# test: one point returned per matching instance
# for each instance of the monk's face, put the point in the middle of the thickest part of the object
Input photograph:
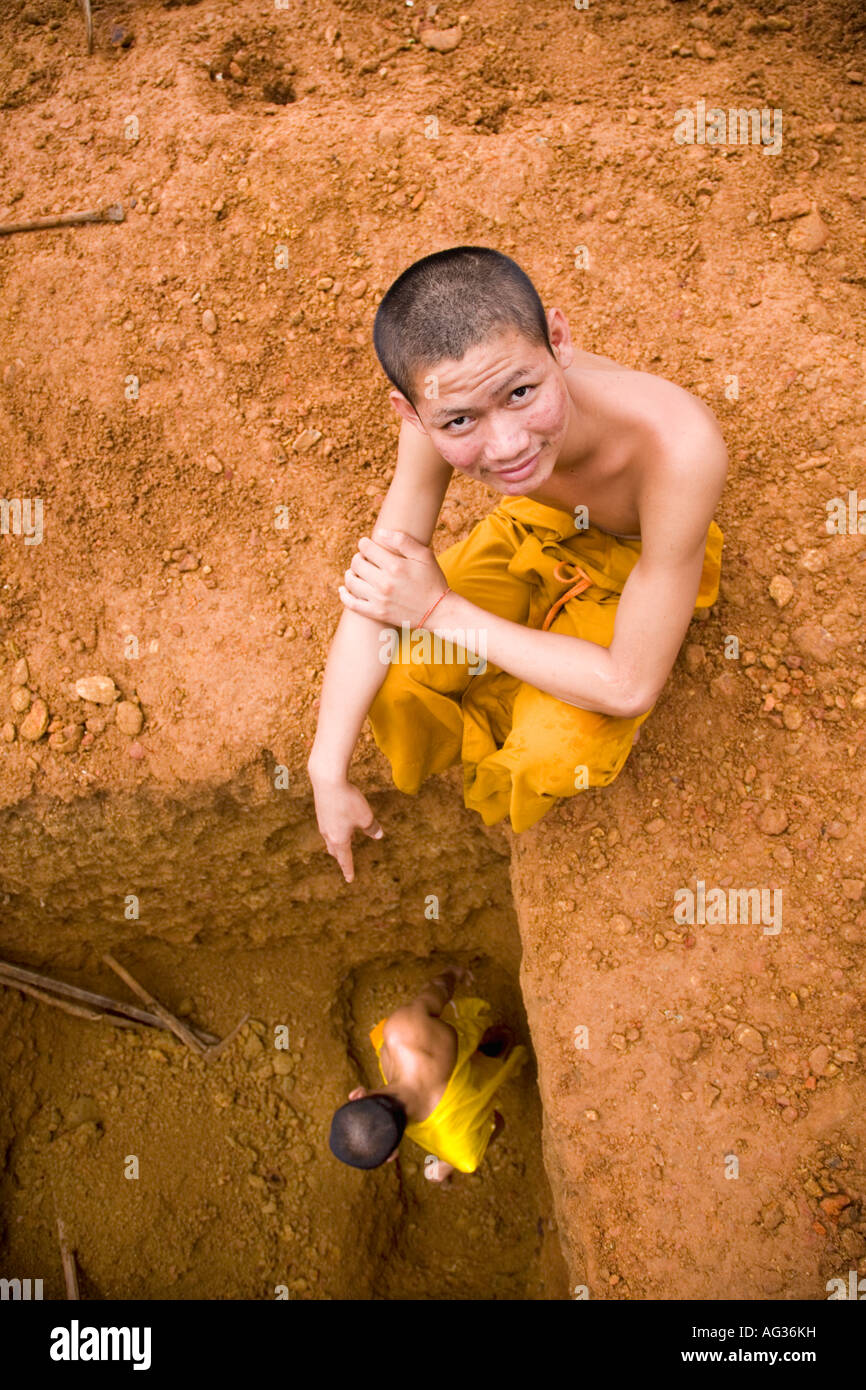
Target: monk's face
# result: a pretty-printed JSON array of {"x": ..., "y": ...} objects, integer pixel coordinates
[{"x": 501, "y": 413}]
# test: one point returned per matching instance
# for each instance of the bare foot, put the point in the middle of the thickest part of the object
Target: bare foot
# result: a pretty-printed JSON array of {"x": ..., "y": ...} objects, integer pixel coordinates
[{"x": 437, "y": 1170}]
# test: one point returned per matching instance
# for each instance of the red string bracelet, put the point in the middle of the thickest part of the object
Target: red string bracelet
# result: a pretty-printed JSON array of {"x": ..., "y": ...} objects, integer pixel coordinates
[{"x": 423, "y": 620}]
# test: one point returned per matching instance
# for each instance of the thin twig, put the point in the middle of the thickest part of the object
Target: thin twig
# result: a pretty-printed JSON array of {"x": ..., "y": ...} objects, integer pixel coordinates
[
  {"x": 114, "y": 213},
  {"x": 75, "y": 1009},
  {"x": 70, "y": 1271},
  {"x": 11, "y": 974},
  {"x": 219, "y": 1047},
  {"x": 88, "y": 24},
  {"x": 175, "y": 1025}
]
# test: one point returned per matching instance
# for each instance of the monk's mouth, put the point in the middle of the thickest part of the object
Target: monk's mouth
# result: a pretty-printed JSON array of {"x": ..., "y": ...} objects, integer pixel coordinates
[{"x": 522, "y": 470}]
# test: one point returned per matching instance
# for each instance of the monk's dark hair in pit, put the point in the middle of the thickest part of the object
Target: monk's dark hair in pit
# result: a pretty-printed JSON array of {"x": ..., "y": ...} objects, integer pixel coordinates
[
  {"x": 449, "y": 302},
  {"x": 365, "y": 1132}
]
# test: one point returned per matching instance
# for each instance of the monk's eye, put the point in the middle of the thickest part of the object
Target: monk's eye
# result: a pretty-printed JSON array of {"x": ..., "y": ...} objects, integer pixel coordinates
[
  {"x": 526, "y": 387},
  {"x": 455, "y": 421}
]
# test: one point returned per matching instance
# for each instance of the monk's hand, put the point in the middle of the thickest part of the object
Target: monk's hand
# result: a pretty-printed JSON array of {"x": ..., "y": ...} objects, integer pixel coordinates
[
  {"x": 341, "y": 809},
  {"x": 393, "y": 578}
]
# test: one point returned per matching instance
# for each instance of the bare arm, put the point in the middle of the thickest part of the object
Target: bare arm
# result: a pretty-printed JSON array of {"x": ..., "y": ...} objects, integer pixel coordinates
[
  {"x": 653, "y": 614},
  {"x": 354, "y": 671}
]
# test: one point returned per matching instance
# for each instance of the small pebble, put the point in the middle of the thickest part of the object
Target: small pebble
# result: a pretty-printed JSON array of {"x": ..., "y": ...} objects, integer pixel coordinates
[
  {"x": 100, "y": 690},
  {"x": 129, "y": 718},
  {"x": 773, "y": 820},
  {"x": 209, "y": 321},
  {"x": 35, "y": 722},
  {"x": 781, "y": 590},
  {"x": 20, "y": 699},
  {"x": 20, "y": 672}
]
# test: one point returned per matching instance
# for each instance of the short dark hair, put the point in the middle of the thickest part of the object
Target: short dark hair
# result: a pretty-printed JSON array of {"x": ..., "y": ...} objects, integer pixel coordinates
[
  {"x": 365, "y": 1132},
  {"x": 449, "y": 302}
]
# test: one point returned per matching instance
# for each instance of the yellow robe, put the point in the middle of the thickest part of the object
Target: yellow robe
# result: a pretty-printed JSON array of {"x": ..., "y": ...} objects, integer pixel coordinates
[
  {"x": 459, "y": 1129},
  {"x": 521, "y": 749}
]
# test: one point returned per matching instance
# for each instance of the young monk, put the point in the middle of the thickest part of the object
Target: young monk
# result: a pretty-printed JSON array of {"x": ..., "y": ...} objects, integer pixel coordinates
[
  {"x": 440, "y": 1075},
  {"x": 577, "y": 589}
]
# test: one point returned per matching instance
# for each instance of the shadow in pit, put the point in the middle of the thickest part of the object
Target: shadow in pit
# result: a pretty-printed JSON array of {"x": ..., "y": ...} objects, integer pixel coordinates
[{"x": 493, "y": 1233}]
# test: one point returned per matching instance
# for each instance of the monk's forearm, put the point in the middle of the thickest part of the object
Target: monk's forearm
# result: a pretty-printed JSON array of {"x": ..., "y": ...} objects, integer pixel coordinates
[
  {"x": 568, "y": 668},
  {"x": 354, "y": 673}
]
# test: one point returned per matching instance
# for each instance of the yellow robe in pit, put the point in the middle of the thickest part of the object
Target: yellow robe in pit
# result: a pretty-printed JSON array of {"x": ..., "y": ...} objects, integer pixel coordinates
[
  {"x": 459, "y": 1129},
  {"x": 521, "y": 749}
]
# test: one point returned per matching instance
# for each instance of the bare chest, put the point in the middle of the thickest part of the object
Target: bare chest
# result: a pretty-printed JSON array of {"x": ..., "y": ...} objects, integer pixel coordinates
[{"x": 637, "y": 411}]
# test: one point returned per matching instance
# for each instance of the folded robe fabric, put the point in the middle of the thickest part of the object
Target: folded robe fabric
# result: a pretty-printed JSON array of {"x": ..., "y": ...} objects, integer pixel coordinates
[
  {"x": 521, "y": 749},
  {"x": 459, "y": 1129}
]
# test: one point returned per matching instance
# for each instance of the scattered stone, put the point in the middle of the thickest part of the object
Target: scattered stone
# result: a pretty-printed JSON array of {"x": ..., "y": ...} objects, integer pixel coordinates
[
  {"x": 306, "y": 439},
  {"x": 813, "y": 561},
  {"x": 136, "y": 751},
  {"x": 129, "y": 718},
  {"x": 814, "y": 641},
  {"x": 834, "y": 1206},
  {"x": 695, "y": 656},
  {"x": 852, "y": 889},
  {"x": 792, "y": 718},
  {"x": 441, "y": 40},
  {"x": 620, "y": 924},
  {"x": 773, "y": 820},
  {"x": 749, "y": 1038},
  {"x": 213, "y": 464},
  {"x": 7, "y": 733},
  {"x": 809, "y": 234},
  {"x": 187, "y": 564},
  {"x": 99, "y": 690},
  {"x": 818, "y": 1059},
  {"x": 20, "y": 672},
  {"x": 772, "y": 1217},
  {"x": 20, "y": 699},
  {"x": 96, "y": 724},
  {"x": 653, "y": 826},
  {"x": 68, "y": 739},
  {"x": 781, "y": 590},
  {"x": 357, "y": 289},
  {"x": 704, "y": 50},
  {"x": 35, "y": 722},
  {"x": 617, "y": 1040},
  {"x": 209, "y": 321},
  {"x": 282, "y": 1064},
  {"x": 685, "y": 1046},
  {"x": 858, "y": 700},
  {"x": 786, "y": 206},
  {"x": 789, "y": 1115}
]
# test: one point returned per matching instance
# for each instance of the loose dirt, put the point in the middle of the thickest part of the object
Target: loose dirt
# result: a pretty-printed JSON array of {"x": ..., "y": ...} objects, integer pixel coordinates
[{"x": 193, "y": 396}]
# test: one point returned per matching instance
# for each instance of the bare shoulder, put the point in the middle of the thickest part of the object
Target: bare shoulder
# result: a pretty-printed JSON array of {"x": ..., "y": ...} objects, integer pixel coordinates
[
  {"x": 412, "y": 1026},
  {"x": 687, "y": 464},
  {"x": 683, "y": 433}
]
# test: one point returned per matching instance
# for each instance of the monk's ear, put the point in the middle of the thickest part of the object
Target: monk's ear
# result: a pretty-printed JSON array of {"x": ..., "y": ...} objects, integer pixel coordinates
[{"x": 406, "y": 410}]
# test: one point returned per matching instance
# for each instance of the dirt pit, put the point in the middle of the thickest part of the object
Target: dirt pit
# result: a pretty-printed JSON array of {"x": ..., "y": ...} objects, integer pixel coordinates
[{"x": 236, "y": 1192}]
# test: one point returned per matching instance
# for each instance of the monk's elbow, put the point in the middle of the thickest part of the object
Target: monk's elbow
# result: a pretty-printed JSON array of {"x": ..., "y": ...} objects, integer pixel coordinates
[{"x": 632, "y": 704}]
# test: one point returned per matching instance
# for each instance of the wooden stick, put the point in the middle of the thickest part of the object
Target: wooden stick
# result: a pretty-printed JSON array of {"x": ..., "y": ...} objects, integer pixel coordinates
[
  {"x": 114, "y": 213},
  {"x": 179, "y": 1029},
  {"x": 88, "y": 24},
  {"x": 44, "y": 986},
  {"x": 75, "y": 1009},
  {"x": 70, "y": 1271},
  {"x": 219, "y": 1047}
]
